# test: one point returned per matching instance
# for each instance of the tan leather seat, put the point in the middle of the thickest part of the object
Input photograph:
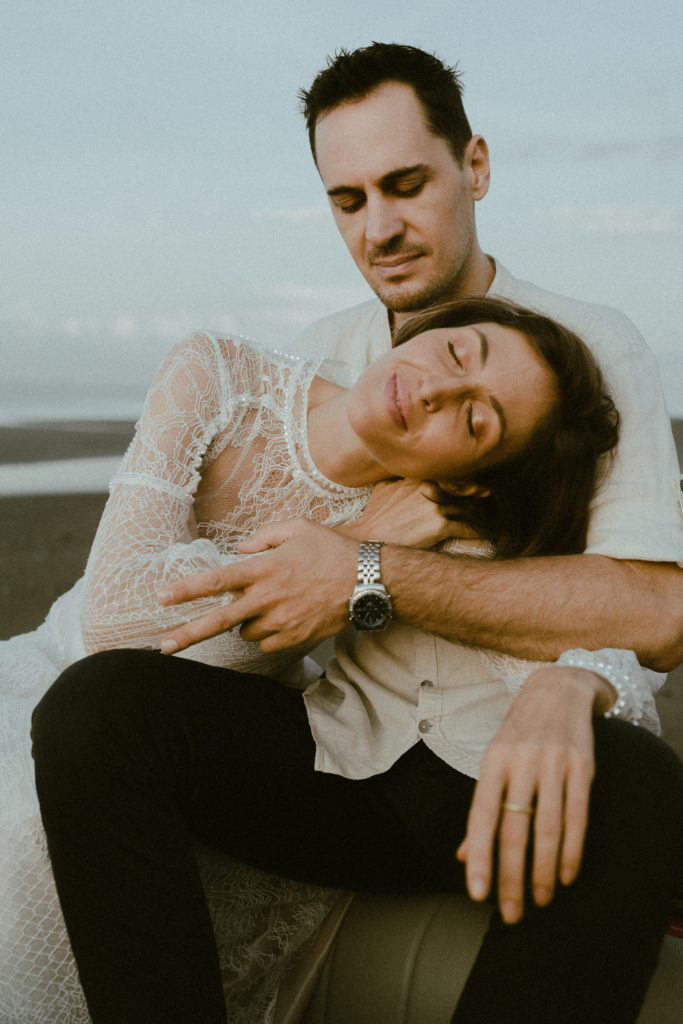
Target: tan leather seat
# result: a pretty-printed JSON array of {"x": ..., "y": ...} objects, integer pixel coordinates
[{"x": 404, "y": 960}]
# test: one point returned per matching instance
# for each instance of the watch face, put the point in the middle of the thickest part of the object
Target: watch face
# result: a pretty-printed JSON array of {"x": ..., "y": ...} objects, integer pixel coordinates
[{"x": 371, "y": 611}]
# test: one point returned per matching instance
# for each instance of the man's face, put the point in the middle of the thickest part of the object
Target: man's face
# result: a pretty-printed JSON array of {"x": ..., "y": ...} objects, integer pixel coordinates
[{"x": 404, "y": 206}]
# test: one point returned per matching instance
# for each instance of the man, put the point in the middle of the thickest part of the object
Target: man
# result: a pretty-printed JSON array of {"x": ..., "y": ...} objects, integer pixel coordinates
[
  {"x": 402, "y": 181},
  {"x": 403, "y": 196}
]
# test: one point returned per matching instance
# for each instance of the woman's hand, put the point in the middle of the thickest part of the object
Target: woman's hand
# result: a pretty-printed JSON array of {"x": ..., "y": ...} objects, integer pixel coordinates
[
  {"x": 406, "y": 512},
  {"x": 541, "y": 762}
]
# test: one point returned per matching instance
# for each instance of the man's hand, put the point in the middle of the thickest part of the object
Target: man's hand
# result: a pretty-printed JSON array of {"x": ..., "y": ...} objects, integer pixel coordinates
[
  {"x": 541, "y": 758},
  {"x": 279, "y": 603}
]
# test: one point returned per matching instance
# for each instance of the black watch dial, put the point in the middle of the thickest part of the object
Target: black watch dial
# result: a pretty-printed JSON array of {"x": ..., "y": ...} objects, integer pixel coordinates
[{"x": 370, "y": 611}]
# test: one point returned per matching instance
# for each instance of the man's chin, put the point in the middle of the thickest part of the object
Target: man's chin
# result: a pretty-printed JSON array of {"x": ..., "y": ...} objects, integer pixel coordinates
[{"x": 401, "y": 300}]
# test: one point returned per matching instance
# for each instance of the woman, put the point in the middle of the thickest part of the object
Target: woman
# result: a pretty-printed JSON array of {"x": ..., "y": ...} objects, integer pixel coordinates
[{"x": 496, "y": 405}]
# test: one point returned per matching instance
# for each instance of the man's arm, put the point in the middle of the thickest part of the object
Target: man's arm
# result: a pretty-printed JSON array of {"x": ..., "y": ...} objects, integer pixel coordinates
[
  {"x": 534, "y": 608},
  {"x": 538, "y": 607}
]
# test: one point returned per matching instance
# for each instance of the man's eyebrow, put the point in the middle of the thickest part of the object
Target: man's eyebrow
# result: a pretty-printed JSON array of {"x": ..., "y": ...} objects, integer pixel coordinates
[
  {"x": 343, "y": 190},
  {"x": 497, "y": 407}
]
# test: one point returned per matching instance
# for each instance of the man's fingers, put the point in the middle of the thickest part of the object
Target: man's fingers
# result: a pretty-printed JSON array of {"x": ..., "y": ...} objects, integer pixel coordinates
[
  {"x": 269, "y": 536},
  {"x": 214, "y": 622},
  {"x": 209, "y": 583}
]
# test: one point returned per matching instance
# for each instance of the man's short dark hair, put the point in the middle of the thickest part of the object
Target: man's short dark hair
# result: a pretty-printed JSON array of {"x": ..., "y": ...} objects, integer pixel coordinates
[{"x": 352, "y": 75}]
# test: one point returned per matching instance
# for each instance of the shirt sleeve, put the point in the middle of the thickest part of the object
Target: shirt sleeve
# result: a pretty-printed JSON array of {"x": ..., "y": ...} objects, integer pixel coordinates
[{"x": 637, "y": 511}]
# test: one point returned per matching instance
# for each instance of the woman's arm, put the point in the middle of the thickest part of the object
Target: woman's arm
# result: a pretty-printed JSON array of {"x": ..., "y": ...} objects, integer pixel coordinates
[
  {"x": 145, "y": 537},
  {"x": 541, "y": 762},
  {"x": 542, "y": 758}
]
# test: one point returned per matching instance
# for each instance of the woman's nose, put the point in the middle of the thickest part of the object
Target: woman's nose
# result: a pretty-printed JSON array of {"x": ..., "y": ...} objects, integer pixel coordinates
[{"x": 436, "y": 391}]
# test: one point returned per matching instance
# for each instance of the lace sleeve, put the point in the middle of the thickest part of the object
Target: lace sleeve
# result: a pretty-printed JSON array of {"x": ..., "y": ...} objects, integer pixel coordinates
[
  {"x": 147, "y": 536},
  {"x": 635, "y": 685}
]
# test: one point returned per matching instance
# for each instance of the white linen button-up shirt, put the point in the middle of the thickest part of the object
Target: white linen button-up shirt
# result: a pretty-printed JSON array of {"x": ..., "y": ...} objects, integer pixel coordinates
[{"x": 373, "y": 703}]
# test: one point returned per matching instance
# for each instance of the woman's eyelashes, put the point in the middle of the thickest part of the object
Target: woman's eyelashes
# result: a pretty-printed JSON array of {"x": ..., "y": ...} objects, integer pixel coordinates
[
  {"x": 469, "y": 414},
  {"x": 451, "y": 349}
]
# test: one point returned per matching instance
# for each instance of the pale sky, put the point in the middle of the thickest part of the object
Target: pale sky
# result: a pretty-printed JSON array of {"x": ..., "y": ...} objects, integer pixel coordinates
[{"x": 156, "y": 176}]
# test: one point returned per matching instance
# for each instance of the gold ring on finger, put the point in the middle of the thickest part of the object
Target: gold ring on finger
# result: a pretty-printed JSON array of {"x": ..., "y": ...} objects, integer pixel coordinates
[{"x": 519, "y": 808}]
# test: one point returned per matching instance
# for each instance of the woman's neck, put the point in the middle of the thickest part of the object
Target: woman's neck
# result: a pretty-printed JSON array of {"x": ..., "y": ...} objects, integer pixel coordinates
[{"x": 334, "y": 447}]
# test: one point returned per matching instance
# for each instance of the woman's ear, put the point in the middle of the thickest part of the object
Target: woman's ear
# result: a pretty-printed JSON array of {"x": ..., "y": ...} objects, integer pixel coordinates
[{"x": 464, "y": 488}]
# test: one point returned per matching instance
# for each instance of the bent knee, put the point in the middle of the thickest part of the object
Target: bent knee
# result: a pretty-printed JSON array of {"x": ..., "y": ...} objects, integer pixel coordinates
[
  {"x": 85, "y": 695},
  {"x": 84, "y": 681}
]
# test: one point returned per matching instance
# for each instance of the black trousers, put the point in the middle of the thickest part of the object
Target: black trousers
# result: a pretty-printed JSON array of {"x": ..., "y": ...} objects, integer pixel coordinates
[{"x": 138, "y": 755}]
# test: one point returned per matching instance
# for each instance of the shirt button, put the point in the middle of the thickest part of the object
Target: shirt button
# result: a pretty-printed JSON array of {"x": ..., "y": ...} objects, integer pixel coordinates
[
  {"x": 425, "y": 725},
  {"x": 426, "y": 682}
]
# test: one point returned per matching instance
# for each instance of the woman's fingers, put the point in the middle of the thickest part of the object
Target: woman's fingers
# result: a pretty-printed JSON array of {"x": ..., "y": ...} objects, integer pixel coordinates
[
  {"x": 482, "y": 826},
  {"x": 527, "y": 808},
  {"x": 513, "y": 842},
  {"x": 548, "y": 828},
  {"x": 576, "y": 818}
]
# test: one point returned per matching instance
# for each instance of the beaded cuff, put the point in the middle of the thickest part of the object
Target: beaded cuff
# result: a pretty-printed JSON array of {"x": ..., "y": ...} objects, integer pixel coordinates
[{"x": 621, "y": 669}]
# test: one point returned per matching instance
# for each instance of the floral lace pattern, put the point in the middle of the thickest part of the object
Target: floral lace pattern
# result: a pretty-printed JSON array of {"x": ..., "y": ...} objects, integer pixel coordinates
[{"x": 219, "y": 451}]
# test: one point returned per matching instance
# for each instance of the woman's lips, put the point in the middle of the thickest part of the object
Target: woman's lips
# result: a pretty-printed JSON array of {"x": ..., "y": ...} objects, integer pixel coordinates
[{"x": 392, "y": 397}]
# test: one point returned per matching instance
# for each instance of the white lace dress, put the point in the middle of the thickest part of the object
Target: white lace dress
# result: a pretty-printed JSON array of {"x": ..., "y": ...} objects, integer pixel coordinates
[{"x": 220, "y": 450}]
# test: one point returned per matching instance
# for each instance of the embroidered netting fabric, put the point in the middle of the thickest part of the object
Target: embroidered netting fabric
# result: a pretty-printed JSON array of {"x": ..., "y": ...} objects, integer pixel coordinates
[{"x": 220, "y": 450}]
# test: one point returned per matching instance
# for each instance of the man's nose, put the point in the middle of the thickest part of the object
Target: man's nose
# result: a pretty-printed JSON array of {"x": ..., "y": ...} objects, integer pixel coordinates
[{"x": 382, "y": 221}]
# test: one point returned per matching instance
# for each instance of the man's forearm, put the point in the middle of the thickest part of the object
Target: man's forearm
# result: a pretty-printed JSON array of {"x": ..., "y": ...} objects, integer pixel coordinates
[
  {"x": 296, "y": 592},
  {"x": 538, "y": 607}
]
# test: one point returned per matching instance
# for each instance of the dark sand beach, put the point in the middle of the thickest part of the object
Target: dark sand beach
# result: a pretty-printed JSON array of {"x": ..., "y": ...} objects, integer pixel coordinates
[
  {"x": 45, "y": 539},
  {"x": 67, "y": 439}
]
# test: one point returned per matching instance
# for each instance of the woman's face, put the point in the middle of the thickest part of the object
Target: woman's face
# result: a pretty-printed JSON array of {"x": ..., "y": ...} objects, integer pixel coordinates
[{"x": 451, "y": 401}]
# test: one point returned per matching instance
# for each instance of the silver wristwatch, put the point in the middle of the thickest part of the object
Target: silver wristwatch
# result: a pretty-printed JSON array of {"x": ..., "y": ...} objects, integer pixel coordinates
[{"x": 370, "y": 603}]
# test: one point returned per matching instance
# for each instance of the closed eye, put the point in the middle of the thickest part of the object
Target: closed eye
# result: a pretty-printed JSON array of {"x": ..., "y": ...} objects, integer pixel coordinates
[
  {"x": 452, "y": 351},
  {"x": 406, "y": 181},
  {"x": 470, "y": 425},
  {"x": 347, "y": 202},
  {"x": 409, "y": 186}
]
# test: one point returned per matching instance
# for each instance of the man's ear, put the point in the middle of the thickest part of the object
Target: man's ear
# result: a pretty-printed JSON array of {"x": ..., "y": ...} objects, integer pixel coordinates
[
  {"x": 464, "y": 488},
  {"x": 476, "y": 160}
]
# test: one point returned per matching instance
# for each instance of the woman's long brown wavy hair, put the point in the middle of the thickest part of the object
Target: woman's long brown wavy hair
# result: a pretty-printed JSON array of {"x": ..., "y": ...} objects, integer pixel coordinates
[{"x": 539, "y": 499}]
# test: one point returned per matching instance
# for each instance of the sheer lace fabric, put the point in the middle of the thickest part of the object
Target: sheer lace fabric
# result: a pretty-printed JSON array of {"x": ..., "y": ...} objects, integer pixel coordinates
[{"x": 220, "y": 450}]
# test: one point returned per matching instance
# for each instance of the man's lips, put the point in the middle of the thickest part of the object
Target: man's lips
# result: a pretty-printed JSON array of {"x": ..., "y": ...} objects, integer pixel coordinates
[
  {"x": 394, "y": 266},
  {"x": 396, "y": 401}
]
